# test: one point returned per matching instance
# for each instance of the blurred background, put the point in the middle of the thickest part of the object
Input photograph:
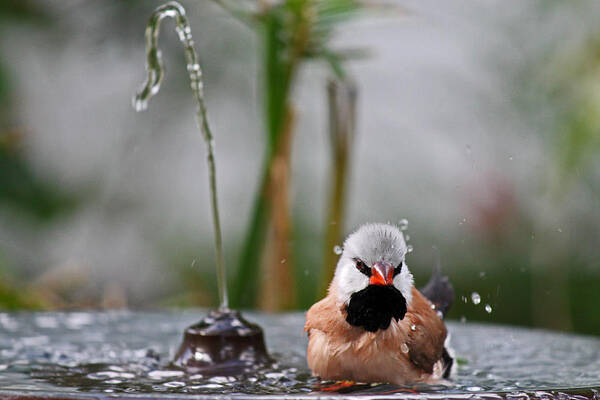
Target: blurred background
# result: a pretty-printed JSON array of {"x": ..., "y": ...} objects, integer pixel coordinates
[{"x": 476, "y": 121}]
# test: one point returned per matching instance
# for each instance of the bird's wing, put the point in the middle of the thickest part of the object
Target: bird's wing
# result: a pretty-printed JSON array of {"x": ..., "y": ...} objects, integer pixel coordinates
[
  {"x": 324, "y": 316},
  {"x": 439, "y": 290},
  {"x": 426, "y": 341}
]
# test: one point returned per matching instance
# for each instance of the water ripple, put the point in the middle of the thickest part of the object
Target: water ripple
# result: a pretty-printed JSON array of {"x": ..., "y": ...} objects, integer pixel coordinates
[{"x": 129, "y": 353}]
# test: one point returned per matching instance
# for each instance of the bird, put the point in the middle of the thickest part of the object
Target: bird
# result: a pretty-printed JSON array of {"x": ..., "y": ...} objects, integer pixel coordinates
[{"x": 374, "y": 326}]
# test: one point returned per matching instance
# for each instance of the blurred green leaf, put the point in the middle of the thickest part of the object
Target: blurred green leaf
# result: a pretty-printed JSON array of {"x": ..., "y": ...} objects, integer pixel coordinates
[
  {"x": 292, "y": 32},
  {"x": 23, "y": 11},
  {"x": 23, "y": 190}
]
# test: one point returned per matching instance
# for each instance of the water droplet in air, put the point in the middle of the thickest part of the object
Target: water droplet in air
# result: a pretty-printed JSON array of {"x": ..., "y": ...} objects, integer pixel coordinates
[
  {"x": 413, "y": 327},
  {"x": 283, "y": 260},
  {"x": 440, "y": 314},
  {"x": 463, "y": 298},
  {"x": 193, "y": 67},
  {"x": 404, "y": 348},
  {"x": 409, "y": 248},
  {"x": 407, "y": 237},
  {"x": 488, "y": 308},
  {"x": 403, "y": 224},
  {"x": 559, "y": 230},
  {"x": 433, "y": 306},
  {"x": 337, "y": 250},
  {"x": 475, "y": 298},
  {"x": 140, "y": 104}
]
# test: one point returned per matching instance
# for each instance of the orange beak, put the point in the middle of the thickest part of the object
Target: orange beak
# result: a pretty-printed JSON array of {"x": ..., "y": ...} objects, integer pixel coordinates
[{"x": 382, "y": 274}]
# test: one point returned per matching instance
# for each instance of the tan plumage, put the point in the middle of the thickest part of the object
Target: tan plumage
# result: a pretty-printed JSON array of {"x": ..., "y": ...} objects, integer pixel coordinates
[
  {"x": 408, "y": 351},
  {"x": 339, "y": 351}
]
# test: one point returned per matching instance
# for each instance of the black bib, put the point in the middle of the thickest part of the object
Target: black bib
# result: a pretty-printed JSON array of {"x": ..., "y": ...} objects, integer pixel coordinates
[{"x": 374, "y": 307}]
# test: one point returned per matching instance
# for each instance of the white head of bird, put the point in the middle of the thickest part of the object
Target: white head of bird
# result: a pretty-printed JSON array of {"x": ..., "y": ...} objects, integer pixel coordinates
[{"x": 373, "y": 255}]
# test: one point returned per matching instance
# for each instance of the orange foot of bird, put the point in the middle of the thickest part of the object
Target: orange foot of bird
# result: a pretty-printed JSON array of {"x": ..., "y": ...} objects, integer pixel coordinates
[{"x": 335, "y": 387}]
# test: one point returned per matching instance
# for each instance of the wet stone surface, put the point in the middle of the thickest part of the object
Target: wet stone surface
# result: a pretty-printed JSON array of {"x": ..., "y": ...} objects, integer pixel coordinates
[{"x": 121, "y": 353}]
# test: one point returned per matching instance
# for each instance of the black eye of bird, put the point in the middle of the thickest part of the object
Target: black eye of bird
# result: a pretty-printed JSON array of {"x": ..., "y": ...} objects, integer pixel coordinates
[
  {"x": 362, "y": 267},
  {"x": 398, "y": 269}
]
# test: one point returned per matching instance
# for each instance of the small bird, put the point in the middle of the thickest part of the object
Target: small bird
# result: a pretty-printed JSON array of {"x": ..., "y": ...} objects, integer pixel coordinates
[{"x": 374, "y": 325}]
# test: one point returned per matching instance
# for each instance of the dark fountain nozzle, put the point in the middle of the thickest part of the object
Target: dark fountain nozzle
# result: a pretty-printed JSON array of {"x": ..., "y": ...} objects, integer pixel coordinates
[{"x": 223, "y": 343}]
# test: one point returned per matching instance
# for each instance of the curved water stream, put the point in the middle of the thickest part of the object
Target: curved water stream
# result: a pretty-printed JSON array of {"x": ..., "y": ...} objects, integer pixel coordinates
[{"x": 127, "y": 354}]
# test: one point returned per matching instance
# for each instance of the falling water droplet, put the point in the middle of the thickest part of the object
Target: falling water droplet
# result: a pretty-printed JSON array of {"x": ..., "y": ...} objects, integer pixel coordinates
[
  {"x": 559, "y": 230},
  {"x": 413, "y": 327},
  {"x": 283, "y": 260},
  {"x": 195, "y": 68},
  {"x": 337, "y": 250},
  {"x": 464, "y": 299},
  {"x": 488, "y": 308},
  {"x": 407, "y": 237},
  {"x": 409, "y": 248},
  {"x": 440, "y": 314},
  {"x": 475, "y": 298},
  {"x": 403, "y": 224},
  {"x": 433, "y": 306},
  {"x": 404, "y": 348}
]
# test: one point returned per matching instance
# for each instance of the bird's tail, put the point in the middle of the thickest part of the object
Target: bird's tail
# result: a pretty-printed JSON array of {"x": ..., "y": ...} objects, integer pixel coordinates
[{"x": 439, "y": 290}]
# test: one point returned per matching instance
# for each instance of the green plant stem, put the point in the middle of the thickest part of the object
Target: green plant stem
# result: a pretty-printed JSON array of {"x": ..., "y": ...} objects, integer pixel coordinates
[
  {"x": 280, "y": 72},
  {"x": 341, "y": 94},
  {"x": 246, "y": 280}
]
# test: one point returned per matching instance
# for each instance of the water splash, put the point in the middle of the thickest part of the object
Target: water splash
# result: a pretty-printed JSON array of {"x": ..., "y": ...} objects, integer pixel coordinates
[
  {"x": 404, "y": 348},
  {"x": 475, "y": 298},
  {"x": 154, "y": 77},
  {"x": 338, "y": 250},
  {"x": 403, "y": 224}
]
